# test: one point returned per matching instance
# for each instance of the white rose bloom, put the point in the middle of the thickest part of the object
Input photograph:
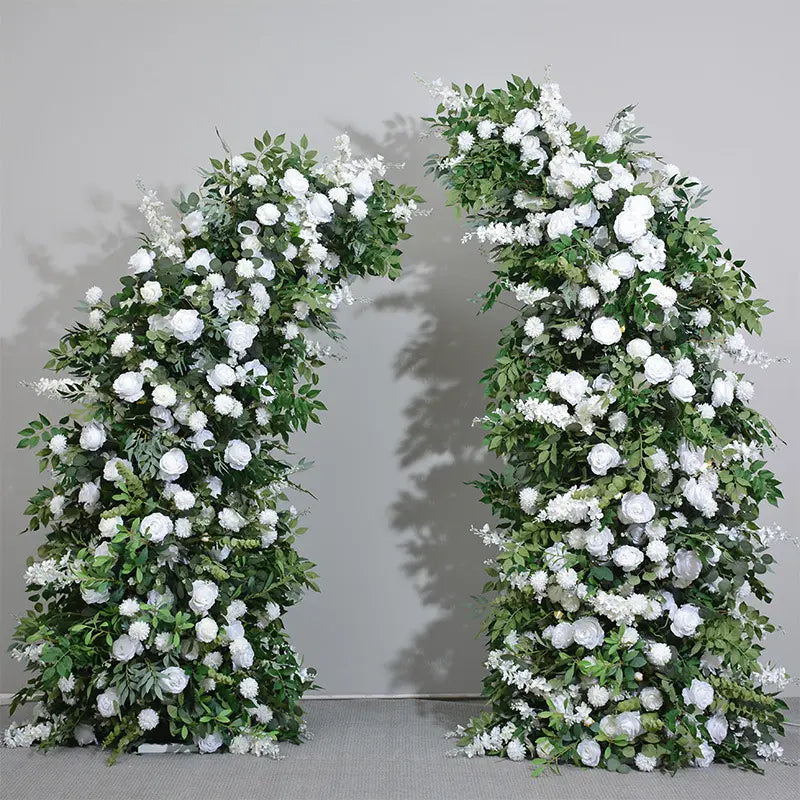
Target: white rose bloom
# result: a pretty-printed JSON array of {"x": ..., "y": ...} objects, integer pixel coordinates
[
  {"x": 598, "y": 541},
  {"x": 204, "y": 595},
  {"x": 651, "y": 698},
  {"x": 684, "y": 620},
  {"x": 173, "y": 680},
  {"x": 84, "y": 734},
  {"x": 108, "y": 703},
  {"x": 111, "y": 469},
  {"x": 294, "y": 183},
  {"x": 186, "y": 325},
  {"x": 361, "y": 186},
  {"x": 237, "y": 454},
  {"x": 745, "y": 391},
  {"x": 200, "y": 258},
  {"x": 164, "y": 395},
  {"x": 681, "y": 388},
  {"x": 220, "y": 377},
  {"x": 717, "y": 727},
  {"x": 663, "y": 296},
  {"x": 700, "y": 496},
  {"x": 210, "y": 743},
  {"x": 89, "y": 494},
  {"x": 699, "y": 694},
  {"x": 156, "y": 527},
  {"x": 589, "y": 752},
  {"x": 657, "y": 369},
  {"x": 627, "y": 557},
  {"x": 687, "y": 567},
  {"x": 638, "y": 348},
  {"x": 561, "y": 223},
  {"x": 629, "y": 724},
  {"x": 603, "y": 457},
  {"x": 721, "y": 392},
  {"x": 320, "y": 208},
  {"x": 172, "y": 465},
  {"x": 641, "y": 205},
  {"x": 622, "y": 263},
  {"x": 240, "y": 336},
  {"x": 206, "y": 630},
  {"x": 141, "y": 260},
  {"x": 562, "y": 635},
  {"x": 572, "y": 387},
  {"x": 128, "y": 386},
  {"x": 628, "y": 226},
  {"x": 706, "y": 757},
  {"x": 230, "y": 520},
  {"x": 527, "y": 119},
  {"x": 151, "y": 292},
  {"x": 108, "y": 526},
  {"x": 194, "y": 223},
  {"x": 124, "y": 648},
  {"x": 606, "y": 331},
  {"x": 93, "y": 436},
  {"x": 587, "y": 632},
  {"x": 608, "y": 725},
  {"x": 241, "y": 653},
  {"x": 636, "y": 508},
  {"x": 93, "y": 597},
  {"x": 691, "y": 458},
  {"x": 268, "y": 214}
]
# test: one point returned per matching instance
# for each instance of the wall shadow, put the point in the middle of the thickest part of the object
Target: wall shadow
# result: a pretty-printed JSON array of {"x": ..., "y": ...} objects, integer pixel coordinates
[{"x": 440, "y": 450}]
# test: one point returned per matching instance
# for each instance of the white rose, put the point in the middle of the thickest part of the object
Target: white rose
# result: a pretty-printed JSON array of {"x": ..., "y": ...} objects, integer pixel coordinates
[
  {"x": 320, "y": 208},
  {"x": 657, "y": 369},
  {"x": 628, "y": 226},
  {"x": 237, "y": 454},
  {"x": 589, "y": 752},
  {"x": 700, "y": 496},
  {"x": 629, "y": 724},
  {"x": 108, "y": 703},
  {"x": 89, "y": 494},
  {"x": 210, "y": 743},
  {"x": 721, "y": 392},
  {"x": 606, "y": 330},
  {"x": 294, "y": 183},
  {"x": 526, "y": 120},
  {"x": 699, "y": 694},
  {"x": 141, "y": 260},
  {"x": 562, "y": 223},
  {"x": 562, "y": 635},
  {"x": 587, "y": 632},
  {"x": 206, "y": 630},
  {"x": 361, "y": 186},
  {"x": 156, "y": 527},
  {"x": 172, "y": 465},
  {"x": 194, "y": 223},
  {"x": 608, "y": 725},
  {"x": 164, "y": 395},
  {"x": 627, "y": 557},
  {"x": 93, "y": 436},
  {"x": 268, "y": 214},
  {"x": 636, "y": 508},
  {"x": 124, "y": 648},
  {"x": 173, "y": 680},
  {"x": 151, "y": 292},
  {"x": 84, "y": 734},
  {"x": 598, "y": 541},
  {"x": 603, "y": 457},
  {"x": 221, "y": 376},
  {"x": 204, "y": 595},
  {"x": 624, "y": 264},
  {"x": 200, "y": 258},
  {"x": 186, "y": 325},
  {"x": 128, "y": 386},
  {"x": 651, "y": 698},
  {"x": 572, "y": 387},
  {"x": 638, "y": 348},
  {"x": 641, "y": 205},
  {"x": 706, "y": 757},
  {"x": 717, "y": 727},
  {"x": 684, "y": 620},
  {"x": 682, "y": 388},
  {"x": 240, "y": 336},
  {"x": 691, "y": 458},
  {"x": 687, "y": 567}
]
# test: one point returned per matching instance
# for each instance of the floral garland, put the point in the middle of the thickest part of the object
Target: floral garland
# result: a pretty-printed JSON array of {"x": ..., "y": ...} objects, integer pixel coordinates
[
  {"x": 170, "y": 556},
  {"x": 621, "y": 625}
]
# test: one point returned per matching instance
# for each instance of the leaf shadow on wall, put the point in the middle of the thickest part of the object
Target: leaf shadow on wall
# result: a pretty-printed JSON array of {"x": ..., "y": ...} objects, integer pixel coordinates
[
  {"x": 103, "y": 247},
  {"x": 440, "y": 449}
]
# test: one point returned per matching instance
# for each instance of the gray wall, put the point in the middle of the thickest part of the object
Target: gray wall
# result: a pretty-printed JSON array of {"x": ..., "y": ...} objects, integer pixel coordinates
[{"x": 97, "y": 93}]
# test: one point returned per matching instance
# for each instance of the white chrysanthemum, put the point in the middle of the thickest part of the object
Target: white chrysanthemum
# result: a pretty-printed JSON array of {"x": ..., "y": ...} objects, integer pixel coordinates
[
  {"x": 588, "y": 297},
  {"x": 122, "y": 345},
  {"x": 248, "y": 688},
  {"x": 148, "y": 719},
  {"x": 516, "y": 750},
  {"x": 645, "y": 763},
  {"x": 465, "y": 140},
  {"x": 572, "y": 332},
  {"x": 139, "y": 630},
  {"x": 164, "y": 395},
  {"x": 213, "y": 659},
  {"x": 183, "y": 500},
  {"x": 129, "y": 607},
  {"x": 528, "y": 499},
  {"x": 58, "y": 444},
  {"x": 94, "y": 294},
  {"x": 359, "y": 210}
]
